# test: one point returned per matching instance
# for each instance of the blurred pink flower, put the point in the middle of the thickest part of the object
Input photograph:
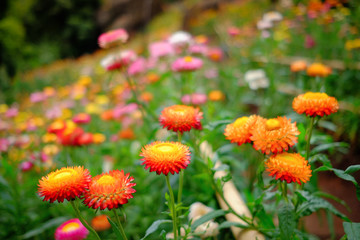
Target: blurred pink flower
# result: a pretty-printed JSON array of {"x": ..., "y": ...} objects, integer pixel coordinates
[
  {"x": 309, "y": 42},
  {"x": 4, "y": 144},
  {"x": 211, "y": 73},
  {"x": 26, "y": 166},
  {"x": 82, "y": 118},
  {"x": 195, "y": 99},
  {"x": 215, "y": 54},
  {"x": 233, "y": 31},
  {"x": 112, "y": 38},
  {"x": 186, "y": 64},
  {"x": 138, "y": 66},
  {"x": 37, "y": 97},
  {"x": 72, "y": 229},
  {"x": 160, "y": 49},
  {"x": 53, "y": 113},
  {"x": 12, "y": 112},
  {"x": 124, "y": 109},
  {"x": 119, "y": 60},
  {"x": 44, "y": 157},
  {"x": 198, "y": 49}
]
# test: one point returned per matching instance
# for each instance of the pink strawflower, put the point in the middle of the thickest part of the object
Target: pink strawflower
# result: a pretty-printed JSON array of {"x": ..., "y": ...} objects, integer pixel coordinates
[
  {"x": 112, "y": 38},
  {"x": 72, "y": 229},
  {"x": 26, "y": 166},
  {"x": 4, "y": 145},
  {"x": 194, "y": 99},
  {"x": 309, "y": 42},
  {"x": 160, "y": 49},
  {"x": 138, "y": 66},
  {"x": 82, "y": 118},
  {"x": 124, "y": 109},
  {"x": 198, "y": 49},
  {"x": 53, "y": 113},
  {"x": 215, "y": 54},
  {"x": 12, "y": 112},
  {"x": 119, "y": 60},
  {"x": 186, "y": 64},
  {"x": 37, "y": 97},
  {"x": 233, "y": 31}
]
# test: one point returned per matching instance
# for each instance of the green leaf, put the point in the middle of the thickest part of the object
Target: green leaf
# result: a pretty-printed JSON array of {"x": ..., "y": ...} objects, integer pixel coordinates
[
  {"x": 228, "y": 224},
  {"x": 115, "y": 228},
  {"x": 49, "y": 224},
  {"x": 211, "y": 126},
  {"x": 286, "y": 222},
  {"x": 313, "y": 204},
  {"x": 352, "y": 230},
  {"x": 341, "y": 146},
  {"x": 154, "y": 226},
  {"x": 321, "y": 158},
  {"x": 352, "y": 169},
  {"x": 207, "y": 217}
]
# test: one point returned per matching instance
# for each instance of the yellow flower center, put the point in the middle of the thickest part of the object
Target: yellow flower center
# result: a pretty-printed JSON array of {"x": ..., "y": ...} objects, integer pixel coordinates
[
  {"x": 187, "y": 59},
  {"x": 289, "y": 159},
  {"x": 70, "y": 227},
  {"x": 64, "y": 174},
  {"x": 316, "y": 95},
  {"x": 272, "y": 124},
  {"x": 165, "y": 147},
  {"x": 240, "y": 121},
  {"x": 106, "y": 180}
]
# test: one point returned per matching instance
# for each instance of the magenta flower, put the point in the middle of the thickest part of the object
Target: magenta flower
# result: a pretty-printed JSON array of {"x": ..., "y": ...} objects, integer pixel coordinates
[
  {"x": 194, "y": 99},
  {"x": 112, "y": 38},
  {"x": 160, "y": 49},
  {"x": 309, "y": 42},
  {"x": 233, "y": 31},
  {"x": 186, "y": 64},
  {"x": 12, "y": 112},
  {"x": 124, "y": 109},
  {"x": 37, "y": 97},
  {"x": 71, "y": 230},
  {"x": 26, "y": 166},
  {"x": 117, "y": 61},
  {"x": 4, "y": 144},
  {"x": 138, "y": 66},
  {"x": 82, "y": 118}
]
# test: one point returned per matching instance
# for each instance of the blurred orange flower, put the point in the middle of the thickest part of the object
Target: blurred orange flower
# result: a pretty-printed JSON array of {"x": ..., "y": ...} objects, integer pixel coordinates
[
  {"x": 315, "y": 104},
  {"x": 274, "y": 135},
  {"x": 100, "y": 223},
  {"x": 298, "y": 66},
  {"x": 318, "y": 70},
  {"x": 65, "y": 183},
  {"x": 216, "y": 95},
  {"x": 181, "y": 118},
  {"x": 165, "y": 157},
  {"x": 289, "y": 167},
  {"x": 109, "y": 190},
  {"x": 127, "y": 133}
]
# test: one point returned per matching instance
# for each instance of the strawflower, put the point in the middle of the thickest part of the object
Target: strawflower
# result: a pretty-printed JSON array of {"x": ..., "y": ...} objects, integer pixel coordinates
[
  {"x": 318, "y": 70},
  {"x": 65, "y": 183},
  {"x": 113, "y": 38},
  {"x": 274, "y": 135},
  {"x": 289, "y": 167},
  {"x": 109, "y": 190},
  {"x": 181, "y": 118},
  {"x": 186, "y": 64},
  {"x": 240, "y": 131},
  {"x": 315, "y": 104},
  {"x": 82, "y": 118},
  {"x": 298, "y": 66},
  {"x": 216, "y": 96},
  {"x": 72, "y": 229},
  {"x": 100, "y": 223},
  {"x": 119, "y": 60},
  {"x": 195, "y": 99},
  {"x": 165, "y": 157}
]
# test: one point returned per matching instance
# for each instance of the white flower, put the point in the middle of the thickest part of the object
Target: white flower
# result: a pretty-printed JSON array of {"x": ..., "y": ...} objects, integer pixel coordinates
[
  {"x": 256, "y": 79},
  {"x": 272, "y": 17},
  {"x": 180, "y": 38},
  {"x": 264, "y": 24}
]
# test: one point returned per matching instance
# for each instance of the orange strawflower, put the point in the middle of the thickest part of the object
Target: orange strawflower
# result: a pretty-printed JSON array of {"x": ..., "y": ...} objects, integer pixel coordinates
[
  {"x": 66, "y": 183},
  {"x": 289, "y": 167},
  {"x": 216, "y": 95},
  {"x": 318, "y": 70},
  {"x": 127, "y": 133},
  {"x": 315, "y": 104},
  {"x": 274, "y": 135},
  {"x": 240, "y": 131},
  {"x": 107, "y": 115},
  {"x": 56, "y": 126},
  {"x": 152, "y": 78},
  {"x": 298, "y": 66},
  {"x": 109, "y": 190},
  {"x": 181, "y": 118},
  {"x": 100, "y": 223},
  {"x": 165, "y": 157},
  {"x": 147, "y": 96}
]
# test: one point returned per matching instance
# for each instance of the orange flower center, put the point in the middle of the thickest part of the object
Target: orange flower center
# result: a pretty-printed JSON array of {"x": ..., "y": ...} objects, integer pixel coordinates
[
  {"x": 187, "y": 59},
  {"x": 65, "y": 174},
  {"x": 106, "y": 180},
  {"x": 317, "y": 95},
  {"x": 70, "y": 227},
  {"x": 240, "y": 121},
  {"x": 272, "y": 124},
  {"x": 165, "y": 147}
]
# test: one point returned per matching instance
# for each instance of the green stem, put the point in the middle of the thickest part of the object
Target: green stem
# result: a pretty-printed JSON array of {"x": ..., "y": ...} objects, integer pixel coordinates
[
  {"x": 284, "y": 191},
  {"x": 309, "y": 138},
  {"x": 181, "y": 175},
  {"x": 119, "y": 224},
  {"x": 82, "y": 220},
  {"x": 172, "y": 207}
]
